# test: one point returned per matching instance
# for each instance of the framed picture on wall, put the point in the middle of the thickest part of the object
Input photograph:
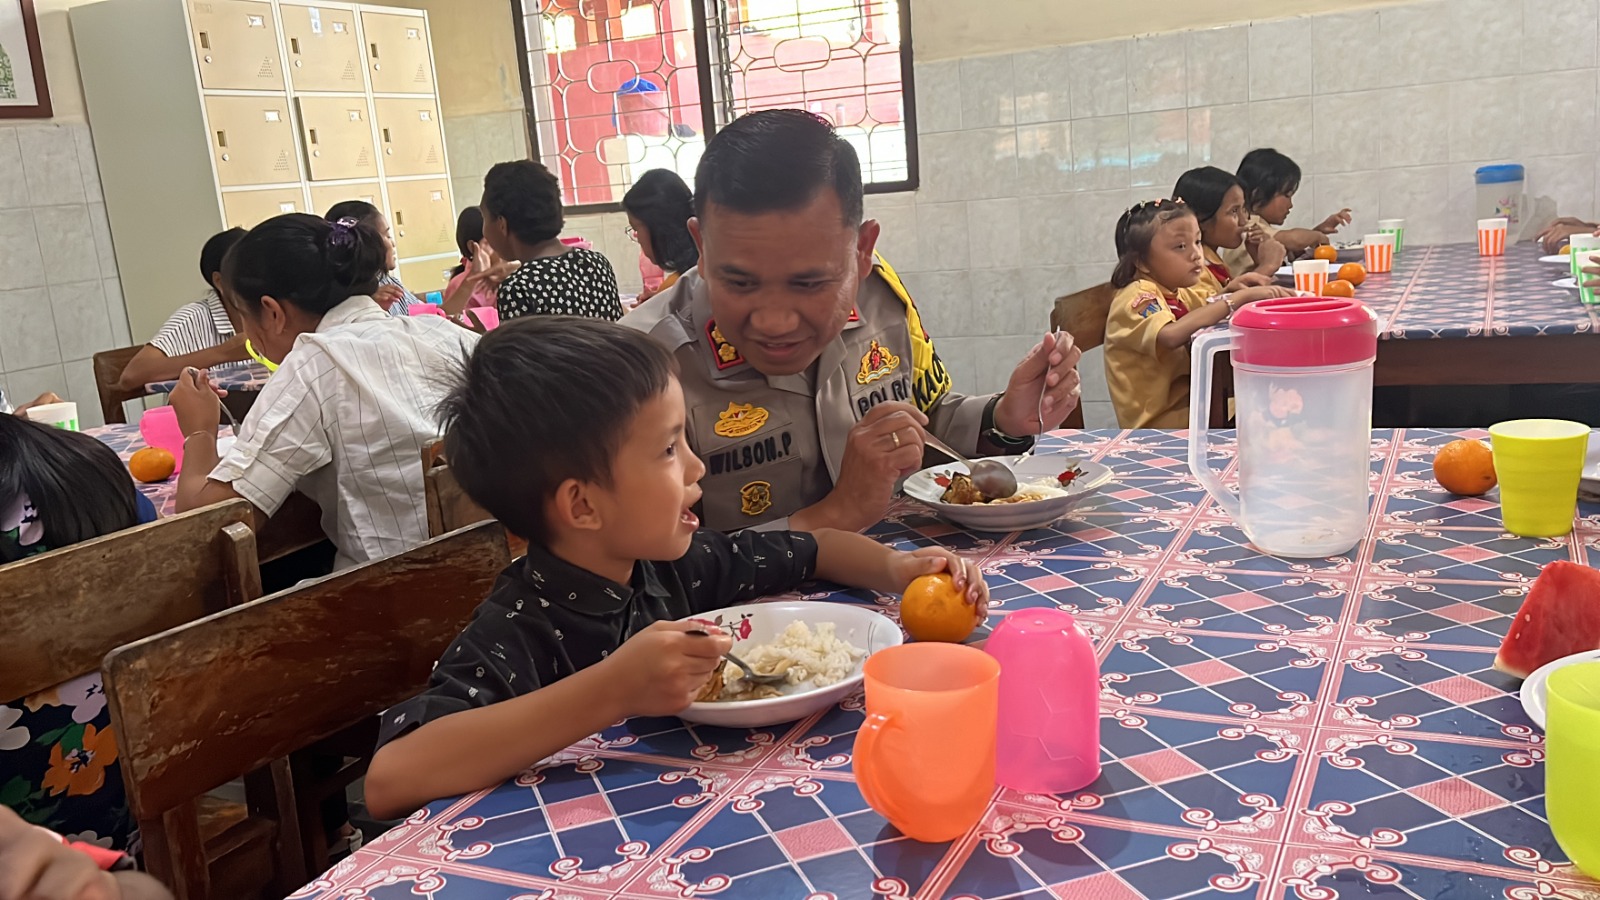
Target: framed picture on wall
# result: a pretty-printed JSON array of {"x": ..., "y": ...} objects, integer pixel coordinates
[{"x": 23, "y": 92}]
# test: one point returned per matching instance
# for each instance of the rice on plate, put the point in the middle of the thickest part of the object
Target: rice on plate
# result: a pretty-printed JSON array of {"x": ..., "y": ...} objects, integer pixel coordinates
[{"x": 806, "y": 658}]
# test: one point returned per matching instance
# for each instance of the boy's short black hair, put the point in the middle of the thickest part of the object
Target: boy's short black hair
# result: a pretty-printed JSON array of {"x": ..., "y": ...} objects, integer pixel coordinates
[
  {"x": 775, "y": 160},
  {"x": 528, "y": 196},
  {"x": 1265, "y": 173},
  {"x": 543, "y": 399},
  {"x": 215, "y": 249}
]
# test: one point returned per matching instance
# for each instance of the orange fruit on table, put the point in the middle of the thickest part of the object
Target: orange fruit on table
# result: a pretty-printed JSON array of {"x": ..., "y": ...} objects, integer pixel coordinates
[
  {"x": 1325, "y": 251},
  {"x": 1465, "y": 468},
  {"x": 1355, "y": 273},
  {"x": 933, "y": 610},
  {"x": 1339, "y": 288},
  {"x": 151, "y": 464}
]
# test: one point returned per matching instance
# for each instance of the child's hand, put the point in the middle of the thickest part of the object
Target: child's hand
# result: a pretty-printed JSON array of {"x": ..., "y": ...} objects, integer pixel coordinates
[
  {"x": 659, "y": 670},
  {"x": 1264, "y": 292},
  {"x": 1270, "y": 254},
  {"x": 1247, "y": 280},
  {"x": 36, "y": 864},
  {"x": 908, "y": 567},
  {"x": 387, "y": 295},
  {"x": 1335, "y": 222}
]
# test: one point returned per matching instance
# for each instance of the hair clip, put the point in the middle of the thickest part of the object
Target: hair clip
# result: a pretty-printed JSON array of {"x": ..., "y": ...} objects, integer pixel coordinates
[{"x": 343, "y": 233}]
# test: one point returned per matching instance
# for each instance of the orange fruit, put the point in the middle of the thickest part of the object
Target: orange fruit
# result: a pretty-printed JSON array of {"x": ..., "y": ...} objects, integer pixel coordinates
[
  {"x": 1327, "y": 252},
  {"x": 933, "y": 610},
  {"x": 1465, "y": 468},
  {"x": 1339, "y": 288},
  {"x": 1567, "y": 250},
  {"x": 151, "y": 464},
  {"x": 1355, "y": 273}
]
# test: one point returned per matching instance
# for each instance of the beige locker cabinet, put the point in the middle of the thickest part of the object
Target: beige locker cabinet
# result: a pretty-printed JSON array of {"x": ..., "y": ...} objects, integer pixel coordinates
[
  {"x": 252, "y": 140},
  {"x": 410, "y": 136},
  {"x": 323, "y": 48},
  {"x": 421, "y": 217},
  {"x": 324, "y": 196},
  {"x": 236, "y": 45},
  {"x": 337, "y": 135},
  {"x": 398, "y": 61},
  {"x": 423, "y": 275},
  {"x": 247, "y": 209}
]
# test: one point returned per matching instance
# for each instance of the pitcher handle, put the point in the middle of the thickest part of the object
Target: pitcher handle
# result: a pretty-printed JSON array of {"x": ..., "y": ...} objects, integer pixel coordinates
[
  {"x": 1202, "y": 360},
  {"x": 864, "y": 761}
]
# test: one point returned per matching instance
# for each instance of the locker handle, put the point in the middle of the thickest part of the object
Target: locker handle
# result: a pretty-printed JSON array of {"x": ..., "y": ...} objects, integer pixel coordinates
[
  {"x": 312, "y": 133},
  {"x": 400, "y": 217},
  {"x": 294, "y": 46},
  {"x": 386, "y": 136},
  {"x": 222, "y": 140},
  {"x": 374, "y": 51},
  {"x": 205, "y": 41}
]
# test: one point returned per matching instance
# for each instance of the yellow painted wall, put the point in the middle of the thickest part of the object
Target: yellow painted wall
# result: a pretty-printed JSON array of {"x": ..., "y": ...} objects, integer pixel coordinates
[
  {"x": 60, "y": 61},
  {"x": 947, "y": 29}
]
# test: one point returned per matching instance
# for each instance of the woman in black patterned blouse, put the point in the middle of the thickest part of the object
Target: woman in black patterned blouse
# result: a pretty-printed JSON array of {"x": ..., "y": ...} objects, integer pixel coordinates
[{"x": 522, "y": 220}]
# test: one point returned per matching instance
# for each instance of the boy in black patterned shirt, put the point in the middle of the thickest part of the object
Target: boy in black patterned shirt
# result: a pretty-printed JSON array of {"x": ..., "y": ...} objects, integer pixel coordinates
[{"x": 571, "y": 432}]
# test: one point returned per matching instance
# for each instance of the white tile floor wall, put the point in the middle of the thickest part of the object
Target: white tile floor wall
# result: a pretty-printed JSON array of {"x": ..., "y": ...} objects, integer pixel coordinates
[{"x": 60, "y": 300}]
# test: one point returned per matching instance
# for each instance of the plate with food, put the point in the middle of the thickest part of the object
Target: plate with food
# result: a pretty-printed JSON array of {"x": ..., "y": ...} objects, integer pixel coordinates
[
  {"x": 1048, "y": 487},
  {"x": 1567, "y": 284},
  {"x": 1559, "y": 259},
  {"x": 819, "y": 648}
]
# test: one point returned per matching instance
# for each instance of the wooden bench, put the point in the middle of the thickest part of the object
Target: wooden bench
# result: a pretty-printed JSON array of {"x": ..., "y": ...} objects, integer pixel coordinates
[
  {"x": 1083, "y": 315},
  {"x": 449, "y": 507}
]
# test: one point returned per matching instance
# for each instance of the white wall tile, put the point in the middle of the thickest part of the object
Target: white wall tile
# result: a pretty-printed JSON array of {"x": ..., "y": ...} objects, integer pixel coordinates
[
  {"x": 987, "y": 92},
  {"x": 498, "y": 140},
  {"x": 993, "y": 226},
  {"x": 1568, "y": 180},
  {"x": 1493, "y": 24},
  {"x": 461, "y": 143},
  {"x": 50, "y": 160},
  {"x": 1415, "y": 45},
  {"x": 1219, "y": 65},
  {"x": 1158, "y": 149},
  {"x": 1158, "y": 72},
  {"x": 1413, "y": 194},
  {"x": 1360, "y": 192},
  {"x": 942, "y": 298},
  {"x": 1286, "y": 126},
  {"x": 20, "y": 263},
  {"x": 80, "y": 388},
  {"x": 83, "y": 327},
  {"x": 1219, "y": 135},
  {"x": 1050, "y": 228},
  {"x": 1559, "y": 34},
  {"x": 995, "y": 306},
  {"x": 1558, "y": 113},
  {"x": 1414, "y": 125},
  {"x": 1281, "y": 59},
  {"x": 116, "y": 312},
  {"x": 1100, "y": 153},
  {"x": 88, "y": 163},
  {"x": 29, "y": 338},
  {"x": 105, "y": 252},
  {"x": 1043, "y": 85},
  {"x": 1460, "y": 213},
  {"x": 897, "y": 235},
  {"x": 1044, "y": 159},
  {"x": 943, "y": 240},
  {"x": 1485, "y": 119},
  {"x": 1347, "y": 52},
  {"x": 13, "y": 181},
  {"x": 66, "y": 243},
  {"x": 1346, "y": 131},
  {"x": 938, "y": 87},
  {"x": 25, "y": 384},
  {"x": 970, "y": 165},
  {"x": 1101, "y": 88},
  {"x": 1093, "y": 221}
]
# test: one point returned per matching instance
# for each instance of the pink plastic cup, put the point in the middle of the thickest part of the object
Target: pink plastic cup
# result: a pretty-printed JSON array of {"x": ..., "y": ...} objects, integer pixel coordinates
[
  {"x": 159, "y": 428},
  {"x": 1049, "y": 716}
]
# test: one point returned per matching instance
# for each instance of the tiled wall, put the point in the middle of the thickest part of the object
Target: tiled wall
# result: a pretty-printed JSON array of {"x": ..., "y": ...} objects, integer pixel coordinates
[
  {"x": 1027, "y": 159},
  {"x": 474, "y": 143},
  {"x": 60, "y": 300}
]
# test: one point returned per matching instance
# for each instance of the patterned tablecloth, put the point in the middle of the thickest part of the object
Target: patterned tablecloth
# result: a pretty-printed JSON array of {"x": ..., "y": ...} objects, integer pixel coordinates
[
  {"x": 1270, "y": 728},
  {"x": 1450, "y": 291},
  {"x": 126, "y": 440},
  {"x": 246, "y": 378}
]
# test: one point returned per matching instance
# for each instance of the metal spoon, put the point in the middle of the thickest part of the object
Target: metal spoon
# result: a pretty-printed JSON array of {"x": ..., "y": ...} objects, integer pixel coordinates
[
  {"x": 749, "y": 673},
  {"x": 991, "y": 477}
]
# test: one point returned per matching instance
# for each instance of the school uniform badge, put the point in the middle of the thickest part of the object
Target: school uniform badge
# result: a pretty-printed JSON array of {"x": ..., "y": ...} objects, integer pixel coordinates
[
  {"x": 877, "y": 363},
  {"x": 740, "y": 420},
  {"x": 755, "y": 498},
  {"x": 726, "y": 355}
]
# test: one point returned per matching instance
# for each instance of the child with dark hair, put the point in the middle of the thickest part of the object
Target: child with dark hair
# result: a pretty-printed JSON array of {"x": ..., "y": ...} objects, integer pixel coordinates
[
  {"x": 57, "y": 751},
  {"x": 1157, "y": 310},
  {"x": 344, "y": 418},
  {"x": 390, "y": 293},
  {"x": 659, "y": 207},
  {"x": 200, "y": 334},
  {"x": 586, "y": 629},
  {"x": 1217, "y": 200},
  {"x": 1270, "y": 181},
  {"x": 474, "y": 282},
  {"x": 522, "y": 221}
]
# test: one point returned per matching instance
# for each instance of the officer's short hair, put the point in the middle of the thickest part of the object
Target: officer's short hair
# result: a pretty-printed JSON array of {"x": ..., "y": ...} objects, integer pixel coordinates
[
  {"x": 777, "y": 159},
  {"x": 543, "y": 399}
]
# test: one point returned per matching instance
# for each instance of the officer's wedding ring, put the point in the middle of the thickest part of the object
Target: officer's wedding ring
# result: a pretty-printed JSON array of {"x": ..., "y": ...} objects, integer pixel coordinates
[{"x": 896, "y": 436}]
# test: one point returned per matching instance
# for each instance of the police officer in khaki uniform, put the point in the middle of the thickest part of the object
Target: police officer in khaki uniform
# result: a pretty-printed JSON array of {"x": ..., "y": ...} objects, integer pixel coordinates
[{"x": 809, "y": 379}]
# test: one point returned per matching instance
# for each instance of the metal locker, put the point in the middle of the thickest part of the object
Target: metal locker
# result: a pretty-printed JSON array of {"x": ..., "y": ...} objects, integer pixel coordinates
[
  {"x": 323, "y": 48},
  {"x": 422, "y": 217},
  {"x": 236, "y": 45},
  {"x": 252, "y": 140},
  {"x": 423, "y": 275},
  {"x": 398, "y": 61},
  {"x": 247, "y": 209},
  {"x": 338, "y": 138},
  {"x": 323, "y": 197},
  {"x": 410, "y": 136}
]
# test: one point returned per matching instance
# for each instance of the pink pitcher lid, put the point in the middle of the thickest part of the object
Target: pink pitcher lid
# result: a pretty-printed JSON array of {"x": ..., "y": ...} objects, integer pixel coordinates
[{"x": 1304, "y": 332}]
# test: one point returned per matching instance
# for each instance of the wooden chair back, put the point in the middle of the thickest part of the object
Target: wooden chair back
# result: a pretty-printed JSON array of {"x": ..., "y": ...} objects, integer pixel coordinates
[
  {"x": 1083, "y": 315},
  {"x": 449, "y": 507},
  {"x": 108, "y": 366},
  {"x": 201, "y": 705},
  {"x": 61, "y": 612}
]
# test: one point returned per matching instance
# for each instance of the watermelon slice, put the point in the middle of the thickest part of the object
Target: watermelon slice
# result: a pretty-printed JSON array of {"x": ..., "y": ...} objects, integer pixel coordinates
[{"x": 1560, "y": 617}]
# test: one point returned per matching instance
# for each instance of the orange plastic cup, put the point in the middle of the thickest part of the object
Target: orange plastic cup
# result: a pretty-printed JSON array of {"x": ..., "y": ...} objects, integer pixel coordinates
[{"x": 924, "y": 759}]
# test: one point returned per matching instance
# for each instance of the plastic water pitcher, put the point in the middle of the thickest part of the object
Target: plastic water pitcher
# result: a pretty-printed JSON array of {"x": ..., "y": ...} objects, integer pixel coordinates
[
  {"x": 1302, "y": 370},
  {"x": 1500, "y": 195},
  {"x": 1049, "y": 717}
]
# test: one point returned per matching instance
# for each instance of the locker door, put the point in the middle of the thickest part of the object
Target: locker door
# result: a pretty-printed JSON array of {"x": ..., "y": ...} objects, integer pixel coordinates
[
  {"x": 423, "y": 275},
  {"x": 338, "y": 138},
  {"x": 397, "y": 53},
  {"x": 323, "y": 197},
  {"x": 236, "y": 44},
  {"x": 422, "y": 217},
  {"x": 247, "y": 209},
  {"x": 410, "y": 136},
  {"x": 324, "y": 49},
  {"x": 252, "y": 140}
]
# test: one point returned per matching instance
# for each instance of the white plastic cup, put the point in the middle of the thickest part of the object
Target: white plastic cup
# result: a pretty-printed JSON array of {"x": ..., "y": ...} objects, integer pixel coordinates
[
  {"x": 1396, "y": 227},
  {"x": 1380, "y": 250},
  {"x": 1580, "y": 261},
  {"x": 1492, "y": 236},
  {"x": 1580, "y": 244},
  {"x": 1311, "y": 276},
  {"x": 57, "y": 415}
]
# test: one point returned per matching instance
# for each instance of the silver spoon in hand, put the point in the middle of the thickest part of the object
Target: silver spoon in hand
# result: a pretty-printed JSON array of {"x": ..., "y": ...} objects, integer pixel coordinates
[
  {"x": 749, "y": 673},
  {"x": 991, "y": 477}
]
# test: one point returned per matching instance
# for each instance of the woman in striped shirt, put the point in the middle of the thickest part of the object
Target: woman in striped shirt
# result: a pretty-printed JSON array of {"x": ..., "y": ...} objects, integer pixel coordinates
[
  {"x": 200, "y": 334},
  {"x": 391, "y": 294}
]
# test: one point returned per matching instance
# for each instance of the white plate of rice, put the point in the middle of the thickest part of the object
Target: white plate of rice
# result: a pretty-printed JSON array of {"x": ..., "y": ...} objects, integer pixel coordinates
[{"x": 820, "y": 646}]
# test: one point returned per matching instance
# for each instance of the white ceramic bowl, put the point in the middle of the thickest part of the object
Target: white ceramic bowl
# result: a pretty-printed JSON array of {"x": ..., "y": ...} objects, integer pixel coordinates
[
  {"x": 859, "y": 625},
  {"x": 1534, "y": 690},
  {"x": 1012, "y": 516}
]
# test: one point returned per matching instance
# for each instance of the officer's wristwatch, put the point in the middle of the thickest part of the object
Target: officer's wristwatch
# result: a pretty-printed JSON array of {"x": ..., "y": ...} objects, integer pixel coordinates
[{"x": 989, "y": 432}]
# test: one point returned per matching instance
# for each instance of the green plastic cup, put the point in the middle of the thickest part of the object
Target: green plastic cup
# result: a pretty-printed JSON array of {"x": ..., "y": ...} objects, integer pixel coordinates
[
  {"x": 1396, "y": 227},
  {"x": 1581, "y": 245},
  {"x": 1539, "y": 463},
  {"x": 1582, "y": 259},
  {"x": 1572, "y": 755}
]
